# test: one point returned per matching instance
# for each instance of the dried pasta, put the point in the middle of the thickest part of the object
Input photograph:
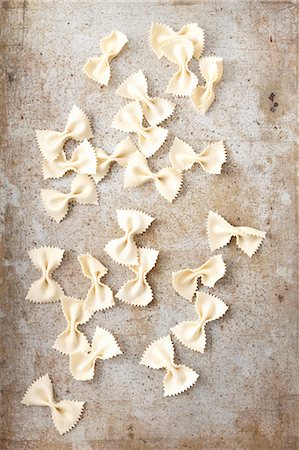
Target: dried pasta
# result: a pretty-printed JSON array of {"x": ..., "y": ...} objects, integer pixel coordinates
[
  {"x": 155, "y": 110},
  {"x": 160, "y": 34},
  {"x": 167, "y": 180},
  {"x": 220, "y": 233},
  {"x": 129, "y": 119},
  {"x": 72, "y": 340},
  {"x": 211, "y": 159},
  {"x": 56, "y": 203},
  {"x": 138, "y": 292},
  {"x": 65, "y": 414},
  {"x": 98, "y": 68},
  {"x": 192, "y": 334},
  {"x": 185, "y": 281},
  {"x": 104, "y": 346},
  {"x": 45, "y": 289},
  {"x": 160, "y": 355},
  {"x": 77, "y": 128},
  {"x": 83, "y": 161},
  {"x": 211, "y": 68},
  {"x": 124, "y": 250},
  {"x": 99, "y": 296}
]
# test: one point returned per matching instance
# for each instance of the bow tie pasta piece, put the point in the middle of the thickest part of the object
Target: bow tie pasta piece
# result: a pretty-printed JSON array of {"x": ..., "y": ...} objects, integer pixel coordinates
[
  {"x": 160, "y": 34},
  {"x": 220, "y": 233},
  {"x": 83, "y": 161},
  {"x": 211, "y": 159},
  {"x": 124, "y": 250},
  {"x": 45, "y": 290},
  {"x": 138, "y": 292},
  {"x": 121, "y": 155},
  {"x": 104, "y": 346},
  {"x": 192, "y": 334},
  {"x": 179, "y": 52},
  {"x": 65, "y": 414},
  {"x": 155, "y": 110},
  {"x": 211, "y": 68},
  {"x": 71, "y": 340},
  {"x": 160, "y": 355},
  {"x": 185, "y": 281},
  {"x": 77, "y": 128},
  {"x": 56, "y": 203},
  {"x": 98, "y": 68},
  {"x": 129, "y": 119},
  {"x": 168, "y": 181},
  {"x": 99, "y": 296}
]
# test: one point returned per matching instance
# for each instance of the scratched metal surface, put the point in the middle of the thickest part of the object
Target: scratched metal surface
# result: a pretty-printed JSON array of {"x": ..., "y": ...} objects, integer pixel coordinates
[{"x": 245, "y": 397}]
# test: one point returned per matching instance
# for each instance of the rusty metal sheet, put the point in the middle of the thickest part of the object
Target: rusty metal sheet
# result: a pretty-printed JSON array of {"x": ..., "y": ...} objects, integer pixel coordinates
[{"x": 246, "y": 395}]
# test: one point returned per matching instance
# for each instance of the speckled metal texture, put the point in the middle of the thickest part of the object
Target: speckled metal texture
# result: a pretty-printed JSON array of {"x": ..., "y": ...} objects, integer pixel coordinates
[{"x": 246, "y": 395}]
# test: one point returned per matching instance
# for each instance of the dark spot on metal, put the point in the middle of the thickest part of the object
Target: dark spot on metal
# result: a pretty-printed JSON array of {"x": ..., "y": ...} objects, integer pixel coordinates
[
  {"x": 271, "y": 39},
  {"x": 11, "y": 77},
  {"x": 271, "y": 96}
]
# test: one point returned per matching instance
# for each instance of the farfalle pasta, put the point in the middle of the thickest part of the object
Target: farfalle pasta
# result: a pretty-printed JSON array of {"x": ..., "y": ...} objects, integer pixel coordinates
[
  {"x": 124, "y": 250},
  {"x": 83, "y": 161},
  {"x": 56, "y": 203},
  {"x": 104, "y": 346},
  {"x": 99, "y": 296},
  {"x": 184, "y": 81},
  {"x": 211, "y": 159},
  {"x": 185, "y": 281},
  {"x": 45, "y": 289},
  {"x": 98, "y": 68},
  {"x": 65, "y": 414},
  {"x": 211, "y": 68},
  {"x": 167, "y": 180},
  {"x": 77, "y": 128},
  {"x": 138, "y": 292},
  {"x": 220, "y": 233},
  {"x": 121, "y": 155},
  {"x": 72, "y": 340},
  {"x": 160, "y": 355},
  {"x": 160, "y": 34},
  {"x": 129, "y": 119},
  {"x": 155, "y": 110},
  {"x": 192, "y": 334}
]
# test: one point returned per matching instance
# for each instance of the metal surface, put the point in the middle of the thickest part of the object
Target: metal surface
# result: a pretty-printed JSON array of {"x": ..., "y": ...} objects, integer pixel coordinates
[{"x": 246, "y": 395}]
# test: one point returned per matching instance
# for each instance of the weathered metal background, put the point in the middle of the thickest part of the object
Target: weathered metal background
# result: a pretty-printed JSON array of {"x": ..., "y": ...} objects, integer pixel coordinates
[{"x": 246, "y": 394}]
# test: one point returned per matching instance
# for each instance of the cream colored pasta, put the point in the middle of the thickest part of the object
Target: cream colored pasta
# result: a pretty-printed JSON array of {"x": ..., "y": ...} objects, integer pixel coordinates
[
  {"x": 83, "y": 160},
  {"x": 192, "y": 334},
  {"x": 129, "y": 119},
  {"x": 211, "y": 68},
  {"x": 99, "y": 296},
  {"x": 160, "y": 34},
  {"x": 211, "y": 159},
  {"x": 138, "y": 292},
  {"x": 180, "y": 52},
  {"x": 124, "y": 250},
  {"x": 185, "y": 281},
  {"x": 220, "y": 233},
  {"x": 56, "y": 203},
  {"x": 167, "y": 181},
  {"x": 160, "y": 355},
  {"x": 77, "y": 128},
  {"x": 45, "y": 289},
  {"x": 156, "y": 109},
  {"x": 121, "y": 155},
  {"x": 71, "y": 340},
  {"x": 104, "y": 346},
  {"x": 98, "y": 68},
  {"x": 65, "y": 414}
]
